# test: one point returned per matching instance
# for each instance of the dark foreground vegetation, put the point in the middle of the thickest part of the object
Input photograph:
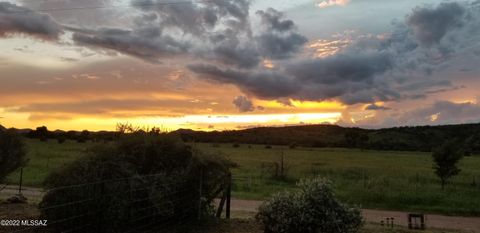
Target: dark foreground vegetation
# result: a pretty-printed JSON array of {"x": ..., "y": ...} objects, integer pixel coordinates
[
  {"x": 140, "y": 181},
  {"x": 311, "y": 209}
]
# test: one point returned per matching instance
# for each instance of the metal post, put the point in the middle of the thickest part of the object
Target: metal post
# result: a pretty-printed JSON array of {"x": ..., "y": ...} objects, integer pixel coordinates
[
  {"x": 229, "y": 195},
  {"x": 21, "y": 181},
  {"x": 364, "y": 179}
]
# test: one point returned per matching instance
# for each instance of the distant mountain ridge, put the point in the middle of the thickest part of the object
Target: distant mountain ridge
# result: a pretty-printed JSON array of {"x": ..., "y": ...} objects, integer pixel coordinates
[{"x": 412, "y": 138}]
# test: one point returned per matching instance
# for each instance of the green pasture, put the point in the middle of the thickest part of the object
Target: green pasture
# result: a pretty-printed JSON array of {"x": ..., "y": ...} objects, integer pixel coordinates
[
  {"x": 371, "y": 179},
  {"x": 45, "y": 157}
]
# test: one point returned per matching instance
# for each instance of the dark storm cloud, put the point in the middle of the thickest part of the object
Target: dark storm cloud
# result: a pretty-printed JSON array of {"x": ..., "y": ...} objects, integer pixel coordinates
[
  {"x": 229, "y": 50},
  {"x": 218, "y": 33},
  {"x": 430, "y": 25},
  {"x": 273, "y": 20},
  {"x": 279, "y": 39},
  {"x": 275, "y": 46},
  {"x": 376, "y": 107},
  {"x": 145, "y": 43},
  {"x": 20, "y": 20},
  {"x": 370, "y": 68},
  {"x": 243, "y": 104},
  {"x": 350, "y": 77},
  {"x": 341, "y": 68},
  {"x": 264, "y": 84},
  {"x": 208, "y": 30},
  {"x": 195, "y": 18}
]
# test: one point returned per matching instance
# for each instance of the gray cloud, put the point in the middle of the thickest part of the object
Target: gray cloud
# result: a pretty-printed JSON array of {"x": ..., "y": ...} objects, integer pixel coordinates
[
  {"x": 443, "y": 112},
  {"x": 279, "y": 39},
  {"x": 229, "y": 50},
  {"x": 145, "y": 43},
  {"x": 218, "y": 32},
  {"x": 20, "y": 20},
  {"x": 262, "y": 83},
  {"x": 397, "y": 66},
  {"x": 346, "y": 76},
  {"x": 196, "y": 18},
  {"x": 376, "y": 107},
  {"x": 243, "y": 104},
  {"x": 343, "y": 67},
  {"x": 273, "y": 20},
  {"x": 430, "y": 25},
  {"x": 86, "y": 18}
]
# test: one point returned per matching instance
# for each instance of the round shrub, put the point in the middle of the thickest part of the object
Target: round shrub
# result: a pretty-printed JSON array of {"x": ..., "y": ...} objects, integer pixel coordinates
[
  {"x": 12, "y": 153},
  {"x": 141, "y": 179},
  {"x": 312, "y": 209}
]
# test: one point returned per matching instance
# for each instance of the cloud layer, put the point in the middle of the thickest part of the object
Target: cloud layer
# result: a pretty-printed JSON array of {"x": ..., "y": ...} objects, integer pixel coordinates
[
  {"x": 217, "y": 41},
  {"x": 20, "y": 20}
]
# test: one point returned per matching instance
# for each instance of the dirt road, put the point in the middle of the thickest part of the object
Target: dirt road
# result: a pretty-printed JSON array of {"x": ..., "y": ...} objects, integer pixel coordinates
[{"x": 466, "y": 224}]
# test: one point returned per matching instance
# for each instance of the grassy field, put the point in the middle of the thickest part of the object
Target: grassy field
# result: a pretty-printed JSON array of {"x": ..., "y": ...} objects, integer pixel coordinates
[
  {"x": 45, "y": 157},
  {"x": 372, "y": 179}
]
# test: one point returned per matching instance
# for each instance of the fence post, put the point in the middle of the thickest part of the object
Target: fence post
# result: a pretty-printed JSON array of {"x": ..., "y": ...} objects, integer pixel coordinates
[
  {"x": 364, "y": 179},
  {"x": 229, "y": 195},
  {"x": 199, "y": 215},
  {"x": 221, "y": 204},
  {"x": 21, "y": 181}
]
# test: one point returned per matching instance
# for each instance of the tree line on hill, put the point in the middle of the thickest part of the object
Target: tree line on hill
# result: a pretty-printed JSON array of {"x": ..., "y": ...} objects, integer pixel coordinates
[{"x": 414, "y": 138}]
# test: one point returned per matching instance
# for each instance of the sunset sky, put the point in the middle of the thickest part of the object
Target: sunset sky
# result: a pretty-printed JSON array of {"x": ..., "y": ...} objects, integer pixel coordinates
[{"x": 234, "y": 64}]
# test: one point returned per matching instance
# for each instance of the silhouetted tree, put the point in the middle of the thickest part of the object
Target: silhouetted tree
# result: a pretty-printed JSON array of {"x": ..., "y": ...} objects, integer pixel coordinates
[
  {"x": 84, "y": 136},
  {"x": 42, "y": 133},
  {"x": 445, "y": 160}
]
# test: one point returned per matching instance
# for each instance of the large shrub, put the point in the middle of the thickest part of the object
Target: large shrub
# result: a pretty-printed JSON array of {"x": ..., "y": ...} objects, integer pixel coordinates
[
  {"x": 312, "y": 209},
  {"x": 141, "y": 180},
  {"x": 12, "y": 153}
]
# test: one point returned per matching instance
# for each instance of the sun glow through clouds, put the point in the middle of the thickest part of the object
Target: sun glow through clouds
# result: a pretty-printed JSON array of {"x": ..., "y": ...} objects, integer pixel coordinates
[{"x": 329, "y": 3}]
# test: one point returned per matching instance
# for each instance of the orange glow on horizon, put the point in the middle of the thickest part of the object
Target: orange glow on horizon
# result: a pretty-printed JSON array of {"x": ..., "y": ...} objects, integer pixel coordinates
[{"x": 195, "y": 122}]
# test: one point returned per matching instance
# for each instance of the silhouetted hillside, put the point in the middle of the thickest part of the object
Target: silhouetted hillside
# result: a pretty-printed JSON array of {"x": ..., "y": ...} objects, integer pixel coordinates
[
  {"x": 418, "y": 138},
  {"x": 2, "y": 128},
  {"x": 415, "y": 138}
]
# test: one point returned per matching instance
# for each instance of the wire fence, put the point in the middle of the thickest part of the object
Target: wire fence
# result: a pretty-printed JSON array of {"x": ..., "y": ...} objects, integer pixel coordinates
[{"x": 154, "y": 203}]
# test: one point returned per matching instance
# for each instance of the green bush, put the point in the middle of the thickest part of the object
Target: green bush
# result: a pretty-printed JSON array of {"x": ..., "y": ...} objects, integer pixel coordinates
[
  {"x": 312, "y": 209},
  {"x": 140, "y": 179},
  {"x": 12, "y": 153}
]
